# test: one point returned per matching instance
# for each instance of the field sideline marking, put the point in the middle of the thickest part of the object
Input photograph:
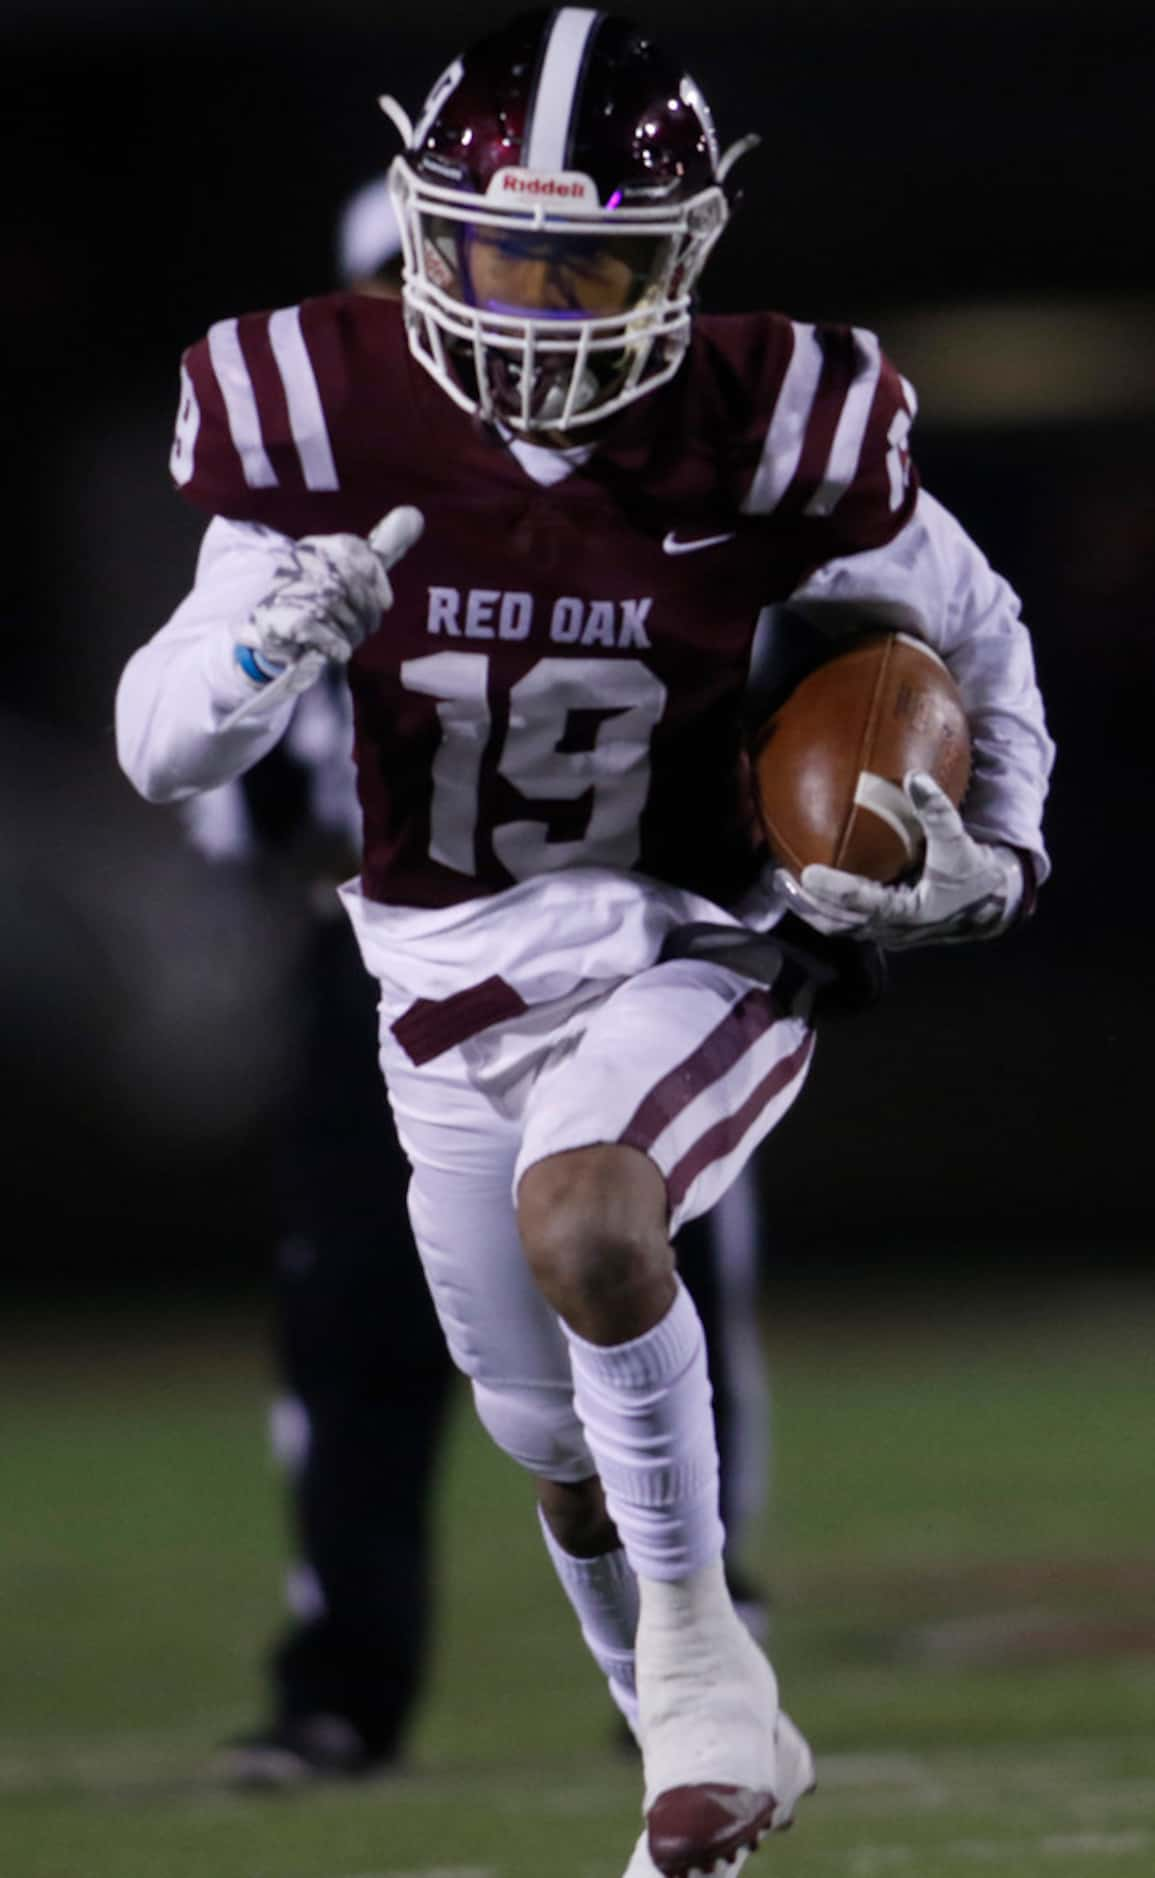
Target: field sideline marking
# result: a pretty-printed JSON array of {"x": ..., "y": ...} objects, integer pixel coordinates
[
  {"x": 430, "y": 1871},
  {"x": 1029, "y": 1769}
]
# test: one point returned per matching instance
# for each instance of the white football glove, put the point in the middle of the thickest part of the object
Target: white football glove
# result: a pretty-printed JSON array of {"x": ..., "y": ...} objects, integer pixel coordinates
[
  {"x": 328, "y": 594},
  {"x": 967, "y": 889}
]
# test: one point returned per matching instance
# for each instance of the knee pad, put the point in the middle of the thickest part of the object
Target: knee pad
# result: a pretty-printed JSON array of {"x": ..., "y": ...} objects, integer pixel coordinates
[{"x": 537, "y": 1428}]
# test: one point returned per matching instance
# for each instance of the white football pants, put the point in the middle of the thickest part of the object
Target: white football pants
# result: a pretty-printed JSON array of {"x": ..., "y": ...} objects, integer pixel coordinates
[{"x": 686, "y": 1061}]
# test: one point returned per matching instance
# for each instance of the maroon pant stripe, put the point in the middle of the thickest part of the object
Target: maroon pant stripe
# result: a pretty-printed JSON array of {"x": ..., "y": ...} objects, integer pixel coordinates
[
  {"x": 725, "y": 1134},
  {"x": 433, "y": 1025},
  {"x": 738, "y": 1031}
]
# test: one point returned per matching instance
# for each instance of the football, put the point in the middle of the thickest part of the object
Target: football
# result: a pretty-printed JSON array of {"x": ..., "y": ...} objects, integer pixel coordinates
[{"x": 828, "y": 765}]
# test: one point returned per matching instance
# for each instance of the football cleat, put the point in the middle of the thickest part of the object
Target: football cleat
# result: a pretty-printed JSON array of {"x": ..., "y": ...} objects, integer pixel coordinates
[
  {"x": 723, "y": 1765},
  {"x": 700, "y": 1828},
  {"x": 641, "y": 1864}
]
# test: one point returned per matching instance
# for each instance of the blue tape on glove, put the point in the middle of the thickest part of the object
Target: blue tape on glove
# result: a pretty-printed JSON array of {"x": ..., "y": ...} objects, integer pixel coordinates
[{"x": 260, "y": 671}]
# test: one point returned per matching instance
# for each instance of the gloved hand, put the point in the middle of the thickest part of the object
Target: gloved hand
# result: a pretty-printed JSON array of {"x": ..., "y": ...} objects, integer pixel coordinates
[
  {"x": 328, "y": 594},
  {"x": 967, "y": 889}
]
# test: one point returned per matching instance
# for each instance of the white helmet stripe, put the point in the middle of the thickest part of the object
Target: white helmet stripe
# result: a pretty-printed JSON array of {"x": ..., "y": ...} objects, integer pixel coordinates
[
  {"x": 232, "y": 373},
  {"x": 789, "y": 421},
  {"x": 306, "y": 414},
  {"x": 556, "y": 94},
  {"x": 845, "y": 451}
]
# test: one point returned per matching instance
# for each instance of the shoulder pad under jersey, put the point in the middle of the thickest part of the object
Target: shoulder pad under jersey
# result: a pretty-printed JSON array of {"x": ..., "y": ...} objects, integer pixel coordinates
[
  {"x": 834, "y": 452},
  {"x": 268, "y": 401}
]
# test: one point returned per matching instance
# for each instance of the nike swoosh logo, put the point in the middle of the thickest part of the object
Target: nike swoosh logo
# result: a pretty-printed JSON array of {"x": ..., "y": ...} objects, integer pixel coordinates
[{"x": 671, "y": 544}]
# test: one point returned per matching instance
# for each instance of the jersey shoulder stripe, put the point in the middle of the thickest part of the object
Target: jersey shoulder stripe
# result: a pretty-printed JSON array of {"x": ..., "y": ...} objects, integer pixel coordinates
[
  {"x": 857, "y": 399},
  {"x": 234, "y": 381},
  {"x": 814, "y": 438},
  {"x": 835, "y": 380},
  {"x": 252, "y": 421},
  {"x": 788, "y": 425},
  {"x": 834, "y": 448},
  {"x": 303, "y": 399}
]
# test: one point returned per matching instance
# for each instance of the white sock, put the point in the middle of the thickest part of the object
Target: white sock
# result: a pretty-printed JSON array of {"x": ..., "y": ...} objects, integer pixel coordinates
[
  {"x": 698, "y": 1605},
  {"x": 604, "y": 1594},
  {"x": 645, "y": 1409}
]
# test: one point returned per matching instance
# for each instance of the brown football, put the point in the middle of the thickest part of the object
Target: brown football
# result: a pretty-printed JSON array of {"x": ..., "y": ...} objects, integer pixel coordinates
[{"x": 828, "y": 765}]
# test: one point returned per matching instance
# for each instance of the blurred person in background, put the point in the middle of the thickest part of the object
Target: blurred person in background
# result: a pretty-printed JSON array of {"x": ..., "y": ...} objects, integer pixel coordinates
[
  {"x": 366, "y": 1374},
  {"x": 593, "y": 1007}
]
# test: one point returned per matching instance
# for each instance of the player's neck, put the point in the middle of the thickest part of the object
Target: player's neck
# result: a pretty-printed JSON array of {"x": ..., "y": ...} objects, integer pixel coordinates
[{"x": 562, "y": 442}]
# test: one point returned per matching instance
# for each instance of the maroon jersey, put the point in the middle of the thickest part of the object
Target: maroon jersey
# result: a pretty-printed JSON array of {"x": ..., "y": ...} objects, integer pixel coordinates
[{"x": 559, "y": 682}]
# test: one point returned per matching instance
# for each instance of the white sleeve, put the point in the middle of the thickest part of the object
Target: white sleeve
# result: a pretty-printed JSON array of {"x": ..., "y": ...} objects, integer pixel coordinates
[
  {"x": 934, "y": 581},
  {"x": 178, "y": 692}
]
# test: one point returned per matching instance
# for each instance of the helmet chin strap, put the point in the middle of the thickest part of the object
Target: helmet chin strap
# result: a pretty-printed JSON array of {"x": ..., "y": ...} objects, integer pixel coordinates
[
  {"x": 735, "y": 152},
  {"x": 399, "y": 117}
]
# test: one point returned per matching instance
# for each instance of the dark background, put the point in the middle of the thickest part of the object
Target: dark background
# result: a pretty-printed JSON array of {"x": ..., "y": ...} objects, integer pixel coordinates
[{"x": 973, "y": 181}]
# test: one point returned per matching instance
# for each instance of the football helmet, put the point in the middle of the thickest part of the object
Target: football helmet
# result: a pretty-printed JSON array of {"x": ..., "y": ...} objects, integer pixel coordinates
[{"x": 557, "y": 198}]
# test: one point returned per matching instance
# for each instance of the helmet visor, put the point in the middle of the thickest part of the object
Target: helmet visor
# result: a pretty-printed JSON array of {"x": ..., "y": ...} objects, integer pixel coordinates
[
  {"x": 543, "y": 274},
  {"x": 558, "y": 276}
]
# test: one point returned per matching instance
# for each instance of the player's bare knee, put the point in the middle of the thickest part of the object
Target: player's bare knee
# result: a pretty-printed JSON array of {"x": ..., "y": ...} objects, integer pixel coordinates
[
  {"x": 575, "y": 1512},
  {"x": 593, "y": 1224}
]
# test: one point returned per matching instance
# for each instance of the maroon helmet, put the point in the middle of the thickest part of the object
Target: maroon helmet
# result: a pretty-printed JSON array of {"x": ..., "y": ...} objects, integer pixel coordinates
[{"x": 558, "y": 197}]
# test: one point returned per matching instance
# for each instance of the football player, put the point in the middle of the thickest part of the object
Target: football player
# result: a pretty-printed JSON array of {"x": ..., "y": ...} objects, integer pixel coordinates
[
  {"x": 535, "y": 513},
  {"x": 363, "y": 1365}
]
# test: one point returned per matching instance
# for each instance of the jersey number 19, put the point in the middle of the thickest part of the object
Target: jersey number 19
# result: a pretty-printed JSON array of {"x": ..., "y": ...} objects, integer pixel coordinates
[{"x": 627, "y": 701}]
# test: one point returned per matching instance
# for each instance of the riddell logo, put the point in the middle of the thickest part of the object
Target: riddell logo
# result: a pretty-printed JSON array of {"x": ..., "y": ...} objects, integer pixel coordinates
[{"x": 561, "y": 186}]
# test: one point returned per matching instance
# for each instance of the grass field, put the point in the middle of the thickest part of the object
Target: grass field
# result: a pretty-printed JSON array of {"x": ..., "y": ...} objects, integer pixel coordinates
[{"x": 961, "y": 1549}]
